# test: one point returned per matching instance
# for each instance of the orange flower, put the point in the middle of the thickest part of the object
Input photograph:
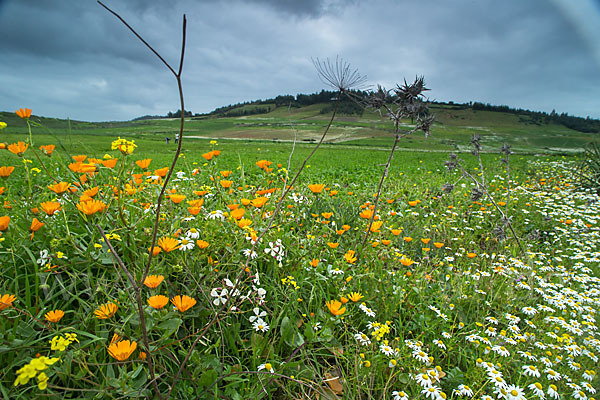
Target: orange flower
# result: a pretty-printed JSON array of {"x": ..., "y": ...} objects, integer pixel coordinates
[
  {"x": 376, "y": 226},
  {"x": 4, "y": 222},
  {"x": 396, "y": 232},
  {"x": 263, "y": 164},
  {"x": 259, "y": 201},
  {"x": 226, "y": 173},
  {"x": 168, "y": 244},
  {"x": 413, "y": 203},
  {"x": 407, "y": 262},
  {"x": 110, "y": 163},
  {"x": 105, "y": 311},
  {"x": 158, "y": 301},
  {"x": 327, "y": 215},
  {"x": 314, "y": 262},
  {"x": 408, "y": 239},
  {"x": 2, "y": 189},
  {"x": 59, "y": 187},
  {"x": 471, "y": 255},
  {"x": 6, "y": 171},
  {"x": 48, "y": 149},
  {"x": 425, "y": 240},
  {"x": 54, "y": 316},
  {"x": 183, "y": 303},
  {"x": 335, "y": 307},
  {"x": 386, "y": 242},
  {"x": 36, "y": 225},
  {"x": 208, "y": 156},
  {"x": 177, "y": 198},
  {"x": 238, "y": 213},
  {"x": 23, "y": 113},
  {"x": 18, "y": 148},
  {"x": 155, "y": 251},
  {"x": 366, "y": 214},
  {"x": 438, "y": 245},
  {"x": 143, "y": 164},
  {"x": 225, "y": 183},
  {"x": 91, "y": 207},
  {"x": 91, "y": 192},
  {"x": 333, "y": 245},
  {"x": 162, "y": 172},
  {"x": 350, "y": 257},
  {"x": 80, "y": 158},
  {"x": 50, "y": 207},
  {"x": 216, "y": 153},
  {"x": 6, "y": 301},
  {"x": 194, "y": 210},
  {"x": 316, "y": 188},
  {"x": 122, "y": 350},
  {"x": 202, "y": 244},
  {"x": 152, "y": 281}
]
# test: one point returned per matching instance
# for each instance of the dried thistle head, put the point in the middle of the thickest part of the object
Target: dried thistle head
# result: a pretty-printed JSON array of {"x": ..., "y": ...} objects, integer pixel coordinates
[
  {"x": 476, "y": 194},
  {"x": 475, "y": 141},
  {"x": 339, "y": 75},
  {"x": 447, "y": 188}
]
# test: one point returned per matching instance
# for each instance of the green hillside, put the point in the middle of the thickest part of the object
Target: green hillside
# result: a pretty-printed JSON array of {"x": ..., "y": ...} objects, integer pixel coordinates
[{"x": 452, "y": 131}]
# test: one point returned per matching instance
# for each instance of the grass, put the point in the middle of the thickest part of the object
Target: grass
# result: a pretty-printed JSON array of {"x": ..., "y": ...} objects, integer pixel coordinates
[{"x": 436, "y": 305}]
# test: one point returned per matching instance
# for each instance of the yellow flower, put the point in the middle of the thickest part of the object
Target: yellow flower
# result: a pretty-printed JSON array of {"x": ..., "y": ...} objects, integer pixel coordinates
[
  {"x": 42, "y": 381},
  {"x": 183, "y": 303},
  {"x": 105, "y": 311},
  {"x": 335, "y": 307},
  {"x": 2, "y": 125},
  {"x": 121, "y": 350},
  {"x": 124, "y": 146},
  {"x": 355, "y": 296},
  {"x": 350, "y": 257}
]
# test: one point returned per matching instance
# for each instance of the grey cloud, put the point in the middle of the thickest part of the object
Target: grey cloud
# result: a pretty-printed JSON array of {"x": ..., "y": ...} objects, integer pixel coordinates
[{"x": 72, "y": 58}]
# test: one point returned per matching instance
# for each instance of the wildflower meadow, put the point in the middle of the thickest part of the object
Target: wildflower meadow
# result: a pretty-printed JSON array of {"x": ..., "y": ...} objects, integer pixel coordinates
[{"x": 256, "y": 271}]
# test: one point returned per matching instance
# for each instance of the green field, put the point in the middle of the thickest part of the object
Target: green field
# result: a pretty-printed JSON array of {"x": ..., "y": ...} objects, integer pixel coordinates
[
  {"x": 452, "y": 131},
  {"x": 488, "y": 290}
]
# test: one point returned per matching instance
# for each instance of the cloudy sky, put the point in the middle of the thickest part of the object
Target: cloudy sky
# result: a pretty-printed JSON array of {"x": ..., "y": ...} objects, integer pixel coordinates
[{"x": 71, "y": 58}]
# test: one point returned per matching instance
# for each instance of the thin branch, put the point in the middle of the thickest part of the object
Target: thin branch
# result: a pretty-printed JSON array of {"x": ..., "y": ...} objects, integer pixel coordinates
[
  {"x": 140, "y": 307},
  {"x": 138, "y": 36}
]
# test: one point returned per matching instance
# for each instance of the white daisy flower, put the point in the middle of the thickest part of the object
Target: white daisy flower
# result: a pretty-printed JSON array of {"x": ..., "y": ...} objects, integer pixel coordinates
[
  {"x": 260, "y": 326},
  {"x": 266, "y": 366},
  {"x": 362, "y": 339}
]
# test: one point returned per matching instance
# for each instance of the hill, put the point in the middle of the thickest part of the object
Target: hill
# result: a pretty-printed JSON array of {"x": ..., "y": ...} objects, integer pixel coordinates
[{"x": 305, "y": 119}]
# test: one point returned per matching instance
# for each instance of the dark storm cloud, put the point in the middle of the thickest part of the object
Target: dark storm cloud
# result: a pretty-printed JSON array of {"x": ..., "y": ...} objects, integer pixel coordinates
[{"x": 72, "y": 58}]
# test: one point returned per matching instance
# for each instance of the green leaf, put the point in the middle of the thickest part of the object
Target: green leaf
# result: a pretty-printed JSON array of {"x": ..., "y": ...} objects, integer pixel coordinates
[
  {"x": 207, "y": 377},
  {"x": 169, "y": 327}
]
